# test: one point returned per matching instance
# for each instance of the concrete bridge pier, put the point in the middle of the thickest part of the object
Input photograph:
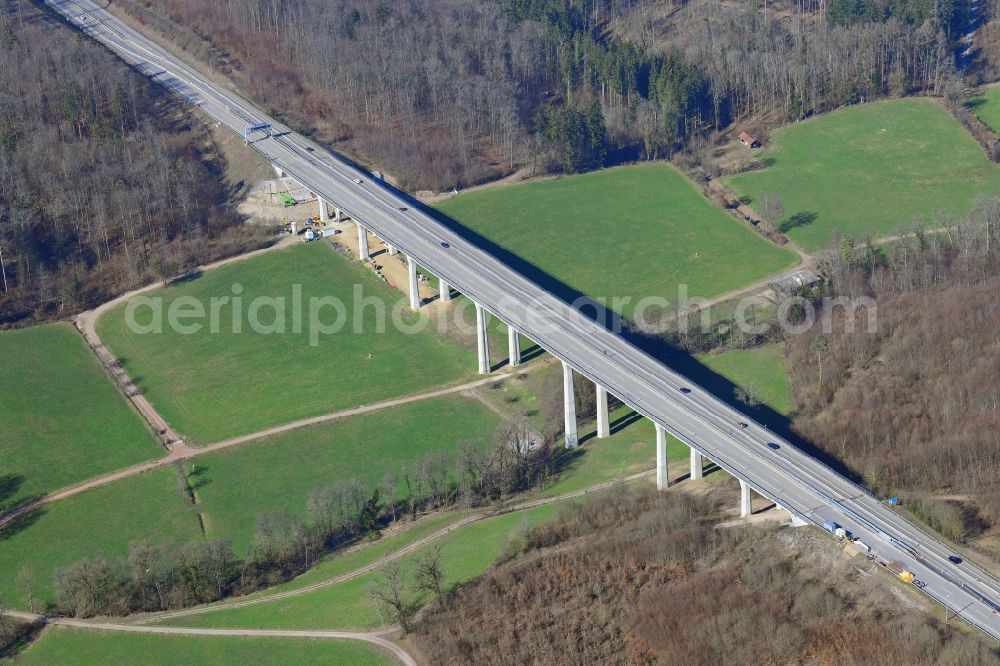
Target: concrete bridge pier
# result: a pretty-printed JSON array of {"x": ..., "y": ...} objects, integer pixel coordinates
[
  {"x": 697, "y": 464},
  {"x": 411, "y": 267},
  {"x": 603, "y": 427},
  {"x": 746, "y": 506},
  {"x": 662, "y": 471},
  {"x": 569, "y": 407},
  {"x": 323, "y": 213},
  {"x": 444, "y": 289},
  {"x": 393, "y": 250},
  {"x": 362, "y": 242},
  {"x": 513, "y": 346},
  {"x": 482, "y": 340},
  {"x": 338, "y": 215},
  {"x": 278, "y": 170}
]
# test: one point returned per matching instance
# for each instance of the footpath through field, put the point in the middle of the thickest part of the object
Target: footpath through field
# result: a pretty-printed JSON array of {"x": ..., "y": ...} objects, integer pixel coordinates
[
  {"x": 181, "y": 451},
  {"x": 375, "y": 637},
  {"x": 86, "y": 322},
  {"x": 380, "y": 637},
  {"x": 397, "y": 554}
]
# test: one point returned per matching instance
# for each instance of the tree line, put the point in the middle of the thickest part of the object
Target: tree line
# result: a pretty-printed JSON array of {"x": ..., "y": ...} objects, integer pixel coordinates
[{"x": 154, "y": 577}]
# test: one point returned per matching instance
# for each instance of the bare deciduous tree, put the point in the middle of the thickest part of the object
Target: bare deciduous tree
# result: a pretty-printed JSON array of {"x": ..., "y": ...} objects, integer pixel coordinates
[
  {"x": 429, "y": 574},
  {"x": 389, "y": 593}
]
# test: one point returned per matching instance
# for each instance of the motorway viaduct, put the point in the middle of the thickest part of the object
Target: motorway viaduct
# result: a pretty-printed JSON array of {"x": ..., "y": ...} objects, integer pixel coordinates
[
  {"x": 758, "y": 458},
  {"x": 330, "y": 210}
]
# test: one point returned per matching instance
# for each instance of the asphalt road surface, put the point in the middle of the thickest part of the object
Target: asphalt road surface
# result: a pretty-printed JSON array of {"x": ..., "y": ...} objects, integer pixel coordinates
[{"x": 788, "y": 476}]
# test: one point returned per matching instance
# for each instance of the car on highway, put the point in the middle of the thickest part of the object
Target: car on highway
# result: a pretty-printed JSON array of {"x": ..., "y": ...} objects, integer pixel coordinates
[
  {"x": 445, "y": 245},
  {"x": 357, "y": 180},
  {"x": 744, "y": 424},
  {"x": 954, "y": 559},
  {"x": 773, "y": 445},
  {"x": 684, "y": 389}
]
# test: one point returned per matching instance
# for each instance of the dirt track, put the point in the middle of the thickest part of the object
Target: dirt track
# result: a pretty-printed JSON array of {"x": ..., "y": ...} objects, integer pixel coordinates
[
  {"x": 395, "y": 555},
  {"x": 181, "y": 451},
  {"x": 378, "y": 638},
  {"x": 86, "y": 322}
]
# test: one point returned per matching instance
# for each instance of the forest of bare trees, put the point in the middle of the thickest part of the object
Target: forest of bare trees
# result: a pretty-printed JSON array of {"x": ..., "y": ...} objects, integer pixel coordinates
[
  {"x": 914, "y": 407},
  {"x": 447, "y": 93},
  {"x": 638, "y": 578},
  {"x": 104, "y": 184},
  {"x": 757, "y": 67}
]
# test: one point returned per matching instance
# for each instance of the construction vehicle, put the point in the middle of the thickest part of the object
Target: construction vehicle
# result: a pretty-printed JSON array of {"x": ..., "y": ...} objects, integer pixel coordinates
[
  {"x": 289, "y": 201},
  {"x": 896, "y": 568}
]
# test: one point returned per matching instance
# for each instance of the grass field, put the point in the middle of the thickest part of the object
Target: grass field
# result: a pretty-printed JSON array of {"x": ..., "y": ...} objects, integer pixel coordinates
[
  {"x": 149, "y": 506},
  {"x": 631, "y": 232},
  {"x": 763, "y": 368},
  {"x": 236, "y": 485},
  {"x": 210, "y": 386},
  {"x": 987, "y": 107},
  {"x": 465, "y": 554},
  {"x": 627, "y": 451},
  {"x": 470, "y": 550},
  {"x": 62, "y": 645},
  {"x": 872, "y": 167},
  {"x": 51, "y": 389}
]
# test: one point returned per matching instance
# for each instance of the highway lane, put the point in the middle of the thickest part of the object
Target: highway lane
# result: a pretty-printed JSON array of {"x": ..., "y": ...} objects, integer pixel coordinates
[{"x": 788, "y": 476}]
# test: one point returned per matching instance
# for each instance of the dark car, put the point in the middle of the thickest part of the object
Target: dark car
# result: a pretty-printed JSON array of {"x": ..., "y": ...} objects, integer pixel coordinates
[
  {"x": 744, "y": 424},
  {"x": 773, "y": 445},
  {"x": 684, "y": 389},
  {"x": 445, "y": 245},
  {"x": 954, "y": 559}
]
